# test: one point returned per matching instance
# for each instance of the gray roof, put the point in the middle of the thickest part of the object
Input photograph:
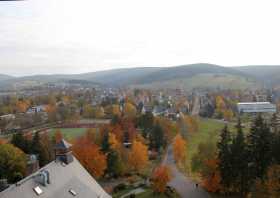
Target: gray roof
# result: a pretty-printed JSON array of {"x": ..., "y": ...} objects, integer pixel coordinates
[
  {"x": 256, "y": 107},
  {"x": 62, "y": 179},
  {"x": 63, "y": 144}
]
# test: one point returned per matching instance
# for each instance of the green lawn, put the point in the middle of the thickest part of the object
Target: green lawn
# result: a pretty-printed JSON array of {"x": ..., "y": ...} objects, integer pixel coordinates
[
  {"x": 69, "y": 133},
  {"x": 209, "y": 130},
  {"x": 149, "y": 193}
]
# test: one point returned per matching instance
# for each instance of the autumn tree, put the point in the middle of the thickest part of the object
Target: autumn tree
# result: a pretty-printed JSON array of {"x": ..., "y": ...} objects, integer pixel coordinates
[
  {"x": 90, "y": 156},
  {"x": 160, "y": 177},
  {"x": 114, "y": 161},
  {"x": 191, "y": 122},
  {"x": 47, "y": 147},
  {"x": 228, "y": 114},
  {"x": 22, "y": 105},
  {"x": 129, "y": 110},
  {"x": 206, "y": 151},
  {"x": 12, "y": 163},
  {"x": 51, "y": 111},
  {"x": 211, "y": 178},
  {"x": 58, "y": 136},
  {"x": 113, "y": 110},
  {"x": 179, "y": 149},
  {"x": 114, "y": 143},
  {"x": 138, "y": 156},
  {"x": 272, "y": 182}
]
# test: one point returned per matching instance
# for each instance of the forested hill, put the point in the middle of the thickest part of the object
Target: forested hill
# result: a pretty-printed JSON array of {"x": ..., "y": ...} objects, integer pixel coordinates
[{"x": 199, "y": 75}]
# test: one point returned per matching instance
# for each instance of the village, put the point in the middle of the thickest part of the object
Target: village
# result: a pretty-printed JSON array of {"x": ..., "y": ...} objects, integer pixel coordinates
[{"x": 129, "y": 130}]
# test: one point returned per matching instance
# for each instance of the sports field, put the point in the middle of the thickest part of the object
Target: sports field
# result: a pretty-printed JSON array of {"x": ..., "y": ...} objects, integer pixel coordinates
[{"x": 69, "y": 133}]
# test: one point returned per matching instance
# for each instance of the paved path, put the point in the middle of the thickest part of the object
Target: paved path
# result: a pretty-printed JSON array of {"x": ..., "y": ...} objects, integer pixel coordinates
[{"x": 183, "y": 185}]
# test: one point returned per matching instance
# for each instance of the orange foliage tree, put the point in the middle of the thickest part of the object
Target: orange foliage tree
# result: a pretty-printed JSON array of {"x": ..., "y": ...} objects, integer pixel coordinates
[
  {"x": 192, "y": 123},
  {"x": 90, "y": 156},
  {"x": 211, "y": 176},
  {"x": 114, "y": 143},
  {"x": 58, "y": 136},
  {"x": 22, "y": 105},
  {"x": 138, "y": 156},
  {"x": 272, "y": 182},
  {"x": 161, "y": 176},
  {"x": 179, "y": 148}
]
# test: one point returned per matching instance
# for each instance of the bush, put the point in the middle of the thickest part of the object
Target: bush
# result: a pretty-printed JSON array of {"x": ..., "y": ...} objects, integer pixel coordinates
[{"x": 119, "y": 187}]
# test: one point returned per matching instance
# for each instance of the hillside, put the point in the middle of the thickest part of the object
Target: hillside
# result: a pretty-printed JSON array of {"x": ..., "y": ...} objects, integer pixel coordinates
[
  {"x": 268, "y": 74},
  {"x": 200, "y": 75},
  {"x": 5, "y": 77}
]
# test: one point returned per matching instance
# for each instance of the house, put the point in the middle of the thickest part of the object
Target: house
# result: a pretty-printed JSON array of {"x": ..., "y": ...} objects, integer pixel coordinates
[
  {"x": 159, "y": 110},
  {"x": 63, "y": 178},
  {"x": 36, "y": 109},
  {"x": 146, "y": 109},
  {"x": 256, "y": 107}
]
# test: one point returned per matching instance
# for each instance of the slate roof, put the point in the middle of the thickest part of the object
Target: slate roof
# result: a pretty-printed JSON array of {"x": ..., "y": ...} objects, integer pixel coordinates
[
  {"x": 62, "y": 179},
  {"x": 62, "y": 144}
]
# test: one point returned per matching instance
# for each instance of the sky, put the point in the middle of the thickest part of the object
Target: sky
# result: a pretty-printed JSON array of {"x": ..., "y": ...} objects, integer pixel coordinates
[{"x": 76, "y": 36}]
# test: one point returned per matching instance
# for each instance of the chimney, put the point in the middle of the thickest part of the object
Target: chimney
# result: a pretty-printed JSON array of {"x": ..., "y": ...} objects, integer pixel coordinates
[
  {"x": 43, "y": 178},
  {"x": 3, "y": 184},
  {"x": 63, "y": 152},
  {"x": 32, "y": 164}
]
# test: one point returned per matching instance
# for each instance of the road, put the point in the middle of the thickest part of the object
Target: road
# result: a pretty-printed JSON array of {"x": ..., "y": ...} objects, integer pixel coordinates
[
  {"x": 183, "y": 185},
  {"x": 196, "y": 106}
]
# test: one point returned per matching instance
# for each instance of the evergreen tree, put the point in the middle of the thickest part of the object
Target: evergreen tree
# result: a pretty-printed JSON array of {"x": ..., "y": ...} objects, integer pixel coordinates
[
  {"x": 105, "y": 145},
  {"x": 239, "y": 155},
  {"x": 259, "y": 141},
  {"x": 157, "y": 139},
  {"x": 276, "y": 139},
  {"x": 114, "y": 166},
  {"x": 274, "y": 124},
  {"x": 21, "y": 142},
  {"x": 37, "y": 148},
  {"x": 146, "y": 122},
  {"x": 225, "y": 158}
]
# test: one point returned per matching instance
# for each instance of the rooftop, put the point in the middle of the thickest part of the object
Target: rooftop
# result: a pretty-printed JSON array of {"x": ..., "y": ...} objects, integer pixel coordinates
[{"x": 66, "y": 181}]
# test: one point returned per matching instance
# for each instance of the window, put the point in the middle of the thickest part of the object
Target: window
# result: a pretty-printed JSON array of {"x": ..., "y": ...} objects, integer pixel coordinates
[
  {"x": 72, "y": 192},
  {"x": 38, "y": 190}
]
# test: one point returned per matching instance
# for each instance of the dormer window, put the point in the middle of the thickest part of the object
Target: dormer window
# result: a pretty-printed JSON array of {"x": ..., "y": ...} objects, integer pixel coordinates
[
  {"x": 72, "y": 192},
  {"x": 38, "y": 190}
]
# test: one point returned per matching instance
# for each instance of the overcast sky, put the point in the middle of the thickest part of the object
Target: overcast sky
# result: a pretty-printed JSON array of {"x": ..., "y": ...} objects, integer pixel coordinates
[{"x": 74, "y": 36}]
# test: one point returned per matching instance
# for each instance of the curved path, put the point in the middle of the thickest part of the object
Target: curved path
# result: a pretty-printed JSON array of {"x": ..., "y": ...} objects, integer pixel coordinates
[{"x": 183, "y": 185}]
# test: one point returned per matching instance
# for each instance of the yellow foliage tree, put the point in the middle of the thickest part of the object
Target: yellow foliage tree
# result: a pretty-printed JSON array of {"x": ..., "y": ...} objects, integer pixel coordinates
[
  {"x": 129, "y": 110},
  {"x": 228, "y": 114},
  {"x": 179, "y": 148},
  {"x": 138, "y": 156},
  {"x": 192, "y": 123}
]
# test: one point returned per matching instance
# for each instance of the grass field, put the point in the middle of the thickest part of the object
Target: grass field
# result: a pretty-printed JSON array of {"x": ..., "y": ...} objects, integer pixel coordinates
[
  {"x": 209, "y": 131},
  {"x": 69, "y": 133}
]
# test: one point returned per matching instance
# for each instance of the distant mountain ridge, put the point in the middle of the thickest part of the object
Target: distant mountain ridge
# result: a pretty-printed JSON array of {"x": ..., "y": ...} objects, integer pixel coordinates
[{"x": 186, "y": 76}]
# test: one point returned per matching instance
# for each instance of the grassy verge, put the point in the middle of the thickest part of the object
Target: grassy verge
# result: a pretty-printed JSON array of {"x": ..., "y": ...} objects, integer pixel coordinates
[{"x": 146, "y": 194}]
